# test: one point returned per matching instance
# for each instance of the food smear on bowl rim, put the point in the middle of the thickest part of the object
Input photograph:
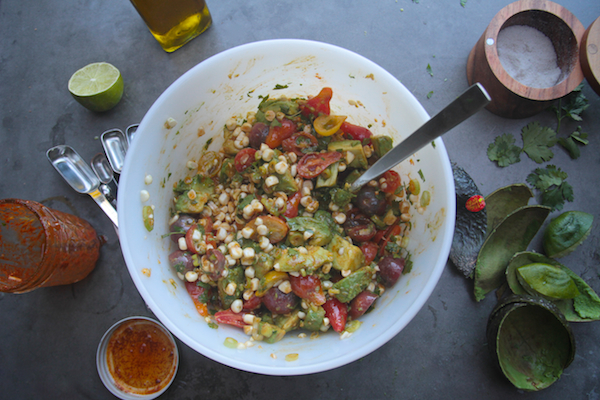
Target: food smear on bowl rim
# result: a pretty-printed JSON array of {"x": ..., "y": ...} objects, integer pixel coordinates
[
  {"x": 140, "y": 357},
  {"x": 267, "y": 235}
]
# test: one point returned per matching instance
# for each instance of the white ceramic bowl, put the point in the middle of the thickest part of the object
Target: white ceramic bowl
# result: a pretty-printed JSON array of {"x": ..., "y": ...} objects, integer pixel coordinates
[{"x": 229, "y": 84}]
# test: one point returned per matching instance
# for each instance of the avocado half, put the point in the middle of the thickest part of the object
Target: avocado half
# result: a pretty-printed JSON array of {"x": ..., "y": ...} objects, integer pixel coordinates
[{"x": 530, "y": 340}]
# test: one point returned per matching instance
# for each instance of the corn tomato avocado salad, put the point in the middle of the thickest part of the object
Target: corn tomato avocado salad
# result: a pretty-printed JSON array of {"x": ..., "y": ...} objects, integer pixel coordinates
[{"x": 269, "y": 237}]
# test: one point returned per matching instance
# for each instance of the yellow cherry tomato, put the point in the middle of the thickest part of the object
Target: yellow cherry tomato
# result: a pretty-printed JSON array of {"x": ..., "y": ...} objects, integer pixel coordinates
[{"x": 327, "y": 125}]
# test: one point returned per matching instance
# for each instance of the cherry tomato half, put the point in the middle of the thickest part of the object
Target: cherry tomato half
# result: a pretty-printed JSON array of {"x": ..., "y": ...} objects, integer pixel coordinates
[
  {"x": 298, "y": 142},
  {"x": 392, "y": 182},
  {"x": 312, "y": 164},
  {"x": 337, "y": 312},
  {"x": 361, "y": 303},
  {"x": 230, "y": 318},
  {"x": 318, "y": 104},
  {"x": 193, "y": 238},
  {"x": 370, "y": 250},
  {"x": 308, "y": 287},
  {"x": 252, "y": 303},
  {"x": 291, "y": 207},
  {"x": 355, "y": 132},
  {"x": 244, "y": 159},
  {"x": 277, "y": 134},
  {"x": 327, "y": 125},
  {"x": 194, "y": 291},
  {"x": 360, "y": 228}
]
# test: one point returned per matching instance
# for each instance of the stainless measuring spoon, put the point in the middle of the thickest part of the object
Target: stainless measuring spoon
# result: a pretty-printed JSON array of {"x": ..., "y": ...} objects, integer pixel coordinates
[
  {"x": 101, "y": 167},
  {"x": 115, "y": 146},
  {"x": 468, "y": 103},
  {"x": 131, "y": 129},
  {"x": 80, "y": 176}
]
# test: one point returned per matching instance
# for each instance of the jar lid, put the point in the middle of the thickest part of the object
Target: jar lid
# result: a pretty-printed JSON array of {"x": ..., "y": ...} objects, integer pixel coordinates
[{"x": 590, "y": 55}]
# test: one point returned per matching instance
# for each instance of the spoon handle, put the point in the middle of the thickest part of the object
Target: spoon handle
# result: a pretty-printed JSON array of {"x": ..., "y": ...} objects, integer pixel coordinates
[
  {"x": 108, "y": 209},
  {"x": 467, "y": 104}
]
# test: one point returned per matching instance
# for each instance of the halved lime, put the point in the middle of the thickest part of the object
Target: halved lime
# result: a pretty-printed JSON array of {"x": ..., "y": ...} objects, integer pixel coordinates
[{"x": 97, "y": 86}]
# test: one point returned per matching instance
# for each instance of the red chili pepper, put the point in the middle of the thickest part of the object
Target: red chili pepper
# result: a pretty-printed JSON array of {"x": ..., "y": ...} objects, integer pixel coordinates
[{"x": 475, "y": 203}]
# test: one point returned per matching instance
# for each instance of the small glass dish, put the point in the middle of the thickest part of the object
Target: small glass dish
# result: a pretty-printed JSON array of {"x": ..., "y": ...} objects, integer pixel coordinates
[{"x": 152, "y": 368}]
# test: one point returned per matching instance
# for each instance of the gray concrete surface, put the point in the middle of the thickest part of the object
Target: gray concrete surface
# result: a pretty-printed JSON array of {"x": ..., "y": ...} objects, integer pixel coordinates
[{"x": 48, "y": 338}]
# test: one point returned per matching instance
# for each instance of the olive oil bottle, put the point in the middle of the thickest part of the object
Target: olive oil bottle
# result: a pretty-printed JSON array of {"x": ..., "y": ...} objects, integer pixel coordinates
[{"x": 174, "y": 22}]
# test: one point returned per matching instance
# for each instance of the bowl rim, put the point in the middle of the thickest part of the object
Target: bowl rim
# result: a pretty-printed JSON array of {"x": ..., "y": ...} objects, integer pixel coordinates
[{"x": 413, "y": 309}]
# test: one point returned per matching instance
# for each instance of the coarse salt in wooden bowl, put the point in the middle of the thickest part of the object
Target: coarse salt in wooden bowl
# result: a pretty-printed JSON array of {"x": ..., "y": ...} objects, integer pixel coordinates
[{"x": 510, "y": 97}]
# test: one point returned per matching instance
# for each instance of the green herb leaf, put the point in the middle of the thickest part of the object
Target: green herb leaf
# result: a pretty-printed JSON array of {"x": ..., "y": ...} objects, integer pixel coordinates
[
  {"x": 429, "y": 70},
  {"x": 537, "y": 141},
  {"x": 279, "y": 87},
  {"x": 463, "y": 3},
  {"x": 504, "y": 151},
  {"x": 429, "y": 94},
  {"x": 570, "y": 146},
  {"x": 551, "y": 181}
]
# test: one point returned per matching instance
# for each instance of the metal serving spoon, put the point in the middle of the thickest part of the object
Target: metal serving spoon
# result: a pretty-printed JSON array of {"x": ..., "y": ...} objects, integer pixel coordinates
[
  {"x": 80, "y": 176},
  {"x": 467, "y": 104}
]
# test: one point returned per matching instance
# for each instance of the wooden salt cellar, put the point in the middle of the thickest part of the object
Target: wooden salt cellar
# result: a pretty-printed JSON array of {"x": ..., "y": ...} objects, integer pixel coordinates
[
  {"x": 510, "y": 98},
  {"x": 590, "y": 55}
]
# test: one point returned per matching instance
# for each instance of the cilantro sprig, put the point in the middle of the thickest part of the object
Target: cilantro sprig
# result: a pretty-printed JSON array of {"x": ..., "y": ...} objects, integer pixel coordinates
[
  {"x": 551, "y": 181},
  {"x": 504, "y": 151}
]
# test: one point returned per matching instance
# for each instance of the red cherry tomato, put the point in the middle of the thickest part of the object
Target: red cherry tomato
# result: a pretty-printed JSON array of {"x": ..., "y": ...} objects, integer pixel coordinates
[
  {"x": 355, "y": 132},
  {"x": 312, "y": 164},
  {"x": 308, "y": 287},
  {"x": 291, "y": 207},
  {"x": 194, "y": 291},
  {"x": 361, "y": 303},
  {"x": 392, "y": 182},
  {"x": 193, "y": 244},
  {"x": 244, "y": 159},
  {"x": 337, "y": 312},
  {"x": 298, "y": 142},
  {"x": 253, "y": 303},
  {"x": 318, "y": 104},
  {"x": 277, "y": 134},
  {"x": 230, "y": 318},
  {"x": 370, "y": 250}
]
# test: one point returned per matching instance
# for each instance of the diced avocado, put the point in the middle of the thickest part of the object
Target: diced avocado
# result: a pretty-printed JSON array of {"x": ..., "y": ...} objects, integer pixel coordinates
[
  {"x": 321, "y": 233},
  {"x": 287, "y": 183},
  {"x": 203, "y": 188},
  {"x": 271, "y": 333},
  {"x": 381, "y": 144},
  {"x": 328, "y": 177},
  {"x": 353, "y": 176},
  {"x": 292, "y": 260},
  {"x": 227, "y": 170},
  {"x": 349, "y": 287},
  {"x": 346, "y": 256},
  {"x": 262, "y": 264},
  {"x": 288, "y": 322},
  {"x": 236, "y": 276},
  {"x": 314, "y": 318},
  {"x": 286, "y": 106},
  {"x": 354, "y": 147},
  {"x": 229, "y": 147}
]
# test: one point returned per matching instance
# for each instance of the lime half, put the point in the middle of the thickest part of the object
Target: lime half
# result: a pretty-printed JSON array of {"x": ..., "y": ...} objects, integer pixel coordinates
[{"x": 97, "y": 86}]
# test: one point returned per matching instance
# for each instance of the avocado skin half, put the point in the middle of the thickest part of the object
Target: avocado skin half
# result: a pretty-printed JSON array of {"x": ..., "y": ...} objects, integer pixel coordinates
[{"x": 470, "y": 228}]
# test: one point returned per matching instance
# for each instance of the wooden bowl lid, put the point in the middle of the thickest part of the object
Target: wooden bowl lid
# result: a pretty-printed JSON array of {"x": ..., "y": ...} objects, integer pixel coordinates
[{"x": 590, "y": 55}]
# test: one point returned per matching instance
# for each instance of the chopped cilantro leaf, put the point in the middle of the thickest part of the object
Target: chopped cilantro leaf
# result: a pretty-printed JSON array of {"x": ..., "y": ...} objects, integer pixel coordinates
[
  {"x": 463, "y": 3},
  {"x": 551, "y": 181},
  {"x": 279, "y": 87},
  {"x": 429, "y": 94},
  {"x": 504, "y": 151},
  {"x": 537, "y": 141},
  {"x": 429, "y": 70},
  {"x": 571, "y": 143}
]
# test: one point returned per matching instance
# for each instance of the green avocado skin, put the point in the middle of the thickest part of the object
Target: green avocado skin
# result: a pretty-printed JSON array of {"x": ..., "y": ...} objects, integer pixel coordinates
[{"x": 565, "y": 232}]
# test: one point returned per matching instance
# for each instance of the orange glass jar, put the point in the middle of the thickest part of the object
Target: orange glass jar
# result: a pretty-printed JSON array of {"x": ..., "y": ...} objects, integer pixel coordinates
[{"x": 42, "y": 247}]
